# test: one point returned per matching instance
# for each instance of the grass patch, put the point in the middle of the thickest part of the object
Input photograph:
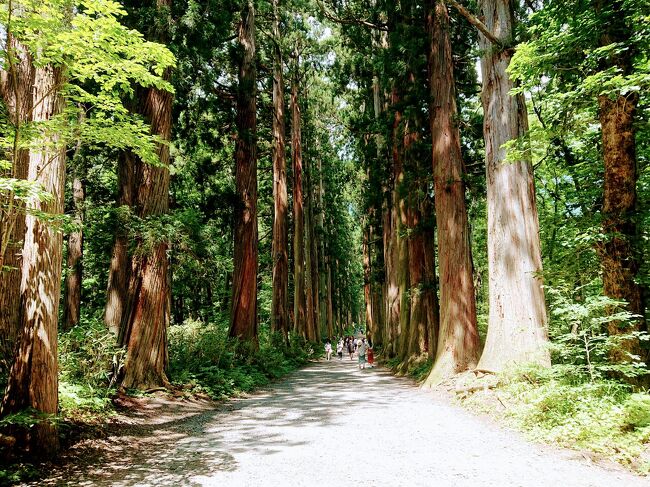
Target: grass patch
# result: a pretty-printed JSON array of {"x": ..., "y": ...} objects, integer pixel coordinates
[{"x": 603, "y": 416}]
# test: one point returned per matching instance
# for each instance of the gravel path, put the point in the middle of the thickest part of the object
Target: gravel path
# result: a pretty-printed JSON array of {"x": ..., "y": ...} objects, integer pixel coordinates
[{"x": 332, "y": 424}]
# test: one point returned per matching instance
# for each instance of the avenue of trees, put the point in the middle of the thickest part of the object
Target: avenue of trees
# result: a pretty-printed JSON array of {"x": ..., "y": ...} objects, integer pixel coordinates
[{"x": 285, "y": 170}]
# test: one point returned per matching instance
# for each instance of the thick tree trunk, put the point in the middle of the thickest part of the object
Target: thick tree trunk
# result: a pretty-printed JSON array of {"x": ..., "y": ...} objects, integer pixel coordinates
[
  {"x": 430, "y": 288},
  {"x": 418, "y": 323},
  {"x": 120, "y": 270},
  {"x": 517, "y": 316},
  {"x": 299, "y": 301},
  {"x": 244, "y": 302},
  {"x": 16, "y": 83},
  {"x": 145, "y": 319},
  {"x": 33, "y": 379},
  {"x": 458, "y": 343},
  {"x": 280, "y": 299},
  {"x": 72, "y": 308},
  {"x": 619, "y": 259}
]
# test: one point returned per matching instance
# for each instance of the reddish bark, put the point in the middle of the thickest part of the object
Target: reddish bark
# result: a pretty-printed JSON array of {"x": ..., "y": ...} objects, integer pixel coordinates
[
  {"x": 244, "y": 302},
  {"x": 16, "y": 84},
  {"x": 458, "y": 343},
  {"x": 299, "y": 301},
  {"x": 145, "y": 318},
  {"x": 33, "y": 379},
  {"x": 280, "y": 299}
]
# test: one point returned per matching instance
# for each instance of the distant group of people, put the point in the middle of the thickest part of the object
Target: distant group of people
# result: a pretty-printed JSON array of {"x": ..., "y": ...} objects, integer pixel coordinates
[{"x": 360, "y": 346}]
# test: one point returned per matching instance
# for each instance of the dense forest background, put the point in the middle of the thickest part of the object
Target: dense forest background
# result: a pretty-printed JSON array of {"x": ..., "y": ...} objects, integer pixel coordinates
[{"x": 196, "y": 194}]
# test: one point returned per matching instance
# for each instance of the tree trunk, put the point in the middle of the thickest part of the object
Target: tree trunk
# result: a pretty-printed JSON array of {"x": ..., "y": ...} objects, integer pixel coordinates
[
  {"x": 309, "y": 267},
  {"x": 367, "y": 281},
  {"x": 74, "y": 274},
  {"x": 330, "y": 303},
  {"x": 517, "y": 316},
  {"x": 313, "y": 248},
  {"x": 280, "y": 300},
  {"x": 430, "y": 288},
  {"x": 619, "y": 259},
  {"x": 244, "y": 302},
  {"x": 145, "y": 319},
  {"x": 299, "y": 301},
  {"x": 458, "y": 343},
  {"x": 33, "y": 379},
  {"x": 120, "y": 270},
  {"x": 16, "y": 84}
]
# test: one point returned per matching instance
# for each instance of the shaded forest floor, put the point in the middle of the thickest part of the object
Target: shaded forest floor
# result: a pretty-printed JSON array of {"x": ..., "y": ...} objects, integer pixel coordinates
[{"x": 327, "y": 422}]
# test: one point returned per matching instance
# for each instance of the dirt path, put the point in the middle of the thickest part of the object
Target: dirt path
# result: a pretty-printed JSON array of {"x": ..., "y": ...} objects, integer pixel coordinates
[{"x": 331, "y": 424}]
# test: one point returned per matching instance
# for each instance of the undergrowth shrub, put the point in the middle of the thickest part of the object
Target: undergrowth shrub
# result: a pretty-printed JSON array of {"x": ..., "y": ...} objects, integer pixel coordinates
[
  {"x": 88, "y": 359},
  {"x": 584, "y": 400},
  {"x": 205, "y": 358}
]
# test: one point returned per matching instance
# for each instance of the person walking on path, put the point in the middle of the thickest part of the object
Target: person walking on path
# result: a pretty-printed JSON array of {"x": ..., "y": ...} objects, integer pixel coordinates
[
  {"x": 371, "y": 355},
  {"x": 351, "y": 348},
  {"x": 339, "y": 349},
  {"x": 361, "y": 350},
  {"x": 328, "y": 350}
]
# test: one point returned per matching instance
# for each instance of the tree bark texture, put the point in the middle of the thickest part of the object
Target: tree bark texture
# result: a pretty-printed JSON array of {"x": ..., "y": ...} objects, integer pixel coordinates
[
  {"x": 244, "y": 302},
  {"x": 517, "y": 317},
  {"x": 145, "y": 319},
  {"x": 280, "y": 299},
  {"x": 299, "y": 301},
  {"x": 120, "y": 269},
  {"x": 16, "y": 83},
  {"x": 458, "y": 343},
  {"x": 309, "y": 266},
  {"x": 367, "y": 281},
  {"x": 33, "y": 379},
  {"x": 619, "y": 259},
  {"x": 72, "y": 308}
]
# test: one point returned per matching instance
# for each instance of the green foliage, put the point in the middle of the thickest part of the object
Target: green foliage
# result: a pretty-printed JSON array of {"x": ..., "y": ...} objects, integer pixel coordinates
[
  {"x": 580, "y": 342},
  {"x": 602, "y": 415},
  {"x": 88, "y": 360},
  {"x": 205, "y": 358}
]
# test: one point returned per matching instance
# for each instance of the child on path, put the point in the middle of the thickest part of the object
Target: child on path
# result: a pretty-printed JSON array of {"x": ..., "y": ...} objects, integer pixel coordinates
[
  {"x": 328, "y": 350},
  {"x": 339, "y": 349},
  {"x": 351, "y": 348},
  {"x": 362, "y": 354},
  {"x": 371, "y": 355}
]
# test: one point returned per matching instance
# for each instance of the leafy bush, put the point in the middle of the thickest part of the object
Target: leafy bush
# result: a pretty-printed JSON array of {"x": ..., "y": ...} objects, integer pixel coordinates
[
  {"x": 205, "y": 358},
  {"x": 88, "y": 360}
]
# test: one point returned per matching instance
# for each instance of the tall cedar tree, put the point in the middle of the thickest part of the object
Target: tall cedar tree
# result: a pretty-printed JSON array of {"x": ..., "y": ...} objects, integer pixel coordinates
[
  {"x": 16, "y": 84},
  {"x": 299, "y": 298},
  {"x": 458, "y": 342},
  {"x": 33, "y": 379},
  {"x": 517, "y": 311},
  {"x": 617, "y": 119},
  {"x": 280, "y": 299},
  {"x": 244, "y": 292},
  {"x": 145, "y": 319}
]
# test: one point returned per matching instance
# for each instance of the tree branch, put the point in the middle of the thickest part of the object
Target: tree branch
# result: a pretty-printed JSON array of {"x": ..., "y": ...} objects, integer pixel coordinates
[
  {"x": 475, "y": 21},
  {"x": 338, "y": 20}
]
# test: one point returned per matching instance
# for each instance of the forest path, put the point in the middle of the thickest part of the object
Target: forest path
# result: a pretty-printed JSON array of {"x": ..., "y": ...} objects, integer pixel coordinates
[{"x": 332, "y": 424}]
